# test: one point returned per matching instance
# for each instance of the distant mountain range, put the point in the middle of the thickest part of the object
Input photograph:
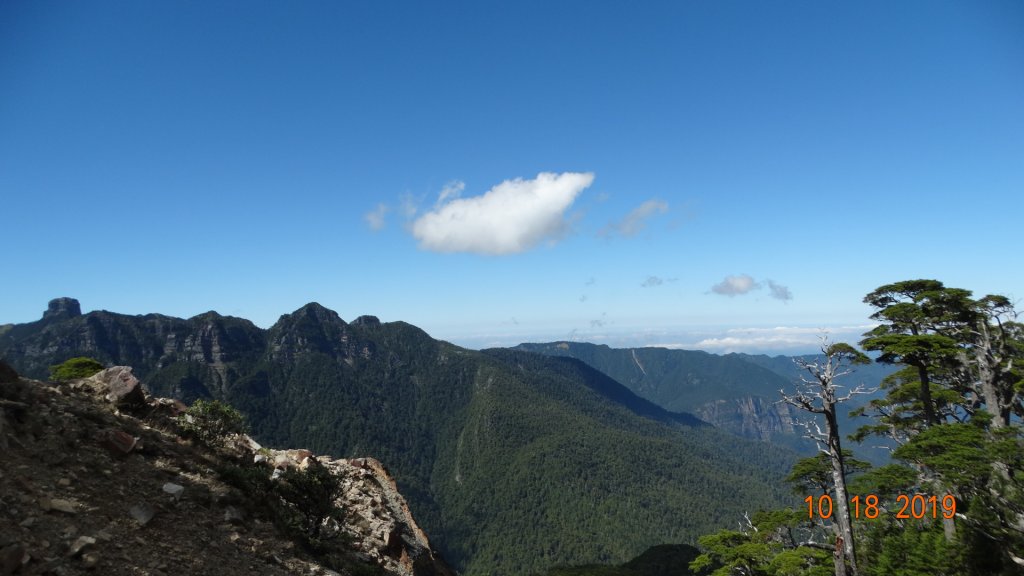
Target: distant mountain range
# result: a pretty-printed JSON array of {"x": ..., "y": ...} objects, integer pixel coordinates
[
  {"x": 513, "y": 461},
  {"x": 736, "y": 392}
]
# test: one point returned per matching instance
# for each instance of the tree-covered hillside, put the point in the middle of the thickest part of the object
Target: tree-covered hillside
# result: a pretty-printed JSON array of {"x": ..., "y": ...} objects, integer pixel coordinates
[
  {"x": 953, "y": 501},
  {"x": 513, "y": 462}
]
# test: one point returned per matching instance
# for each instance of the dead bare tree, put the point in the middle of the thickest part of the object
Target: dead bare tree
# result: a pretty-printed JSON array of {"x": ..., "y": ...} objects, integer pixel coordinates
[{"x": 819, "y": 394}]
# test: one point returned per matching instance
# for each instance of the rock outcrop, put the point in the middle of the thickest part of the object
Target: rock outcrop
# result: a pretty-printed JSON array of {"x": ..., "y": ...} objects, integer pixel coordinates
[
  {"x": 379, "y": 522},
  {"x": 750, "y": 416},
  {"x": 92, "y": 481},
  {"x": 61, "y": 308}
]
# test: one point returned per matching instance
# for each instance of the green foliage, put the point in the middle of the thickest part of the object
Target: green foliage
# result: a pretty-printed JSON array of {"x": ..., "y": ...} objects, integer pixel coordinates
[
  {"x": 885, "y": 481},
  {"x": 310, "y": 494},
  {"x": 910, "y": 548},
  {"x": 951, "y": 406},
  {"x": 80, "y": 367},
  {"x": 211, "y": 421},
  {"x": 770, "y": 546},
  {"x": 253, "y": 480},
  {"x": 814, "y": 475}
]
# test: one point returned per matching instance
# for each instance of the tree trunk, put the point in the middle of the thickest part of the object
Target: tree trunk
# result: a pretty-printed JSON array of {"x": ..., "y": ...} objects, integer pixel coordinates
[
  {"x": 842, "y": 502},
  {"x": 987, "y": 376},
  {"x": 926, "y": 396}
]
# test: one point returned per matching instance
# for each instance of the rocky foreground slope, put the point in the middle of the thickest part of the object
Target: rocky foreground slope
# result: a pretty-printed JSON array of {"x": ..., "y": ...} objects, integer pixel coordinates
[{"x": 95, "y": 479}]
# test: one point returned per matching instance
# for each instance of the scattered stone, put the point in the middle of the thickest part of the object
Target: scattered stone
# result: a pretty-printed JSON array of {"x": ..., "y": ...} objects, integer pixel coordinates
[
  {"x": 11, "y": 559},
  {"x": 58, "y": 504},
  {"x": 175, "y": 490},
  {"x": 123, "y": 389},
  {"x": 90, "y": 560},
  {"x": 142, "y": 513},
  {"x": 169, "y": 406},
  {"x": 80, "y": 544},
  {"x": 259, "y": 459},
  {"x": 233, "y": 515},
  {"x": 117, "y": 442},
  {"x": 64, "y": 482}
]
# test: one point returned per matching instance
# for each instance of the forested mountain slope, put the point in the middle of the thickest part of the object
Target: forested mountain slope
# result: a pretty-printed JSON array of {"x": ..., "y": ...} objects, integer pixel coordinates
[
  {"x": 727, "y": 391},
  {"x": 513, "y": 462},
  {"x": 735, "y": 392}
]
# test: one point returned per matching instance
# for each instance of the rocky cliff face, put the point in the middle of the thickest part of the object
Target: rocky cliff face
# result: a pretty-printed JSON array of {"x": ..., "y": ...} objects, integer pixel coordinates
[
  {"x": 94, "y": 478},
  {"x": 750, "y": 416},
  {"x": 205, "y": 352}
]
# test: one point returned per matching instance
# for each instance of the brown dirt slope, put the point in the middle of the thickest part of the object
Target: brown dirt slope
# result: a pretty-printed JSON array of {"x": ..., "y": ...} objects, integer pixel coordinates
[{"x": 95, "y": 478}]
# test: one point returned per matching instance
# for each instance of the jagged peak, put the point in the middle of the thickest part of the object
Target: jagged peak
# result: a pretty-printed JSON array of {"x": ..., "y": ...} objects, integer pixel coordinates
[{"x": 314, "y": 311}]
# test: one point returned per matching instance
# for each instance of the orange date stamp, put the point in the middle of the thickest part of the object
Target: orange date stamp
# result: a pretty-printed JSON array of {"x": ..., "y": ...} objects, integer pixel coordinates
[{"x": 911, "y": 506}]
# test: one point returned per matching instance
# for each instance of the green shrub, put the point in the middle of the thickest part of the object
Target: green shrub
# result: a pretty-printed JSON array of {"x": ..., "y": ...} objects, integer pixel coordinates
[
  {"x": 311, "y": 494},
  {"x": 211, "y": 421},
  {"x": 80, "y": 367}
]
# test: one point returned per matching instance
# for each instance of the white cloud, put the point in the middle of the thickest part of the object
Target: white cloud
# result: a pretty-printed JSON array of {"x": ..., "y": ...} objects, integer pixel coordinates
[
  {"x": 636, "y": 220},
  {"x": 512, "y": 217},
  {"x": 451, "y": 191},
  {"x": 653, "y": 281},
  {"x": 780, "y": 292},
  {"x": 735, "y": 285},
  {"x": 375, "y": 218},
  {"x": 776, "y": 340}
]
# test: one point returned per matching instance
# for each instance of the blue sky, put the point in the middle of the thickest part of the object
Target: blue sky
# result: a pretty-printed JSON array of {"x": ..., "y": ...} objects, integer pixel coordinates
[{"x": 716, "y": 175}]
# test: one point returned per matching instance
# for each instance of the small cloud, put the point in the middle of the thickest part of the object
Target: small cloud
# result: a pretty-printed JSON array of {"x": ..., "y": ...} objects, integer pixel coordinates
[
  {"x": 603, "y": 197},
  {"x": 512, "y": 217},
  {"x": 600, "y": 322},
  {"x": 583, "y": 298},
  {"x": 656, "y": 281},
  {"x": 451, "y": 191},
  {"x": 780, "y": 292},
  {"x": 375, "y": 218},
  {"x": 636, "y": 220},
  {"x": 408, "y": 206},
  {"x": 736, "y": 285},
  {"x": 590, "y": 281}
]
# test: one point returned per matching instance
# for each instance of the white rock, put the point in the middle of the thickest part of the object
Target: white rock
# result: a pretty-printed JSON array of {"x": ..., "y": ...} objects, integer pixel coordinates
[{"x": 175, "y": 490}]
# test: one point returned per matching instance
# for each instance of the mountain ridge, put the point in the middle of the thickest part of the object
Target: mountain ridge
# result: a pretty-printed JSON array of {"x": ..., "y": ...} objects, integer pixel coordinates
[{"x": 513, "y": 462}]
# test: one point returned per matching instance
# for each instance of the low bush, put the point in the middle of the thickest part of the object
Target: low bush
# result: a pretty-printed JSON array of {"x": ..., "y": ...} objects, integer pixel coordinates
[
  {"x": 211, "y": 422},
  {"x": 80, "y": 367}
]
